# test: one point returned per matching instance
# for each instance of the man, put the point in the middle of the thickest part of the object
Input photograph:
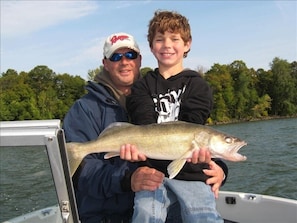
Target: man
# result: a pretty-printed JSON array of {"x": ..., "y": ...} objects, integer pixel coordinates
[{"x": 105, "y": 189}]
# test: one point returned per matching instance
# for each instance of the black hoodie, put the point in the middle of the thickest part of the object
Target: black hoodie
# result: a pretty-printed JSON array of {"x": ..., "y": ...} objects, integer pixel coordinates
[{"x": 186, "y": 97}]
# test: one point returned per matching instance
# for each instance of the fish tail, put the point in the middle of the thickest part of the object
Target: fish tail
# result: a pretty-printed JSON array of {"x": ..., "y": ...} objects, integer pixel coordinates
[{"x": 74, "y": 156}]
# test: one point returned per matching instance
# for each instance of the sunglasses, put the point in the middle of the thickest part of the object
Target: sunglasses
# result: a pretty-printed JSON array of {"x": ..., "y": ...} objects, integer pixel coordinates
[{"x": 131, "y": 55}]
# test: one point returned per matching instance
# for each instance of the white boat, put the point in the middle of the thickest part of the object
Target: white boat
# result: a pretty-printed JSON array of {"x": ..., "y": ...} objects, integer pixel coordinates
[{"x": 235, "y": 207}]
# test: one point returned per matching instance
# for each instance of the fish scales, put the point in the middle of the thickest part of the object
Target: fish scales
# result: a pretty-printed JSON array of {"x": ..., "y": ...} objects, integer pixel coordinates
[
  {"x": 167, "y": 141},
  {"x": 158, "y": 143}
]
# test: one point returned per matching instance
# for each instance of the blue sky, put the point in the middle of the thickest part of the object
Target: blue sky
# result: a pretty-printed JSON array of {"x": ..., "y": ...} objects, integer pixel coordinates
[{"x": 68, "y": 36}]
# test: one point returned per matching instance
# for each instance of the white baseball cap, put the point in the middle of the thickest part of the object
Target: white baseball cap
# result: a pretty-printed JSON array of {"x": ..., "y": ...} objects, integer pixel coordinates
[{"x": 117, "y": 41}]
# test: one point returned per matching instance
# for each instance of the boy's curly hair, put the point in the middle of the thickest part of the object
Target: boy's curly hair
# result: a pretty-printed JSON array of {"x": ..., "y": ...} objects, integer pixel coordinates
[{"x": 170, "y": 21}]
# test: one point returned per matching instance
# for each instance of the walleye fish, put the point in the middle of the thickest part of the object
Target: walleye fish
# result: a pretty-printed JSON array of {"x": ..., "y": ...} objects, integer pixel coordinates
[{"x": 174, "y": 141}]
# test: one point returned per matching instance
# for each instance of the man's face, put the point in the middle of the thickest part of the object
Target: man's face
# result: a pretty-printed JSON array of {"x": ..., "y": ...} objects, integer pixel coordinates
[{"x": 125, "y": 71}]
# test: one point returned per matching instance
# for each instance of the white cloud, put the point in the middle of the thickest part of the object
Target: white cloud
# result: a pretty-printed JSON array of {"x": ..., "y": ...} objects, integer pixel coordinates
[
  {"x": 90, "y": 52},
  {"x": 284, "y": 8},
  {"x": 23, "y": 17}
]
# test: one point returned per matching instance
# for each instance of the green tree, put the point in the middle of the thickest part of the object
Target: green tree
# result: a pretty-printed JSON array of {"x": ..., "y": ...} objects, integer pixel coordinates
[
  {"x": 294, "y": 76},
  {"x": 16, "y": 98},
  {"x": 92, "y": 73},
  {"x": 39, "y": 94},
  {"x": 68, "y": 89},
  {"x": 144, "y": 71},
  {"x": 245, "y": 92},
  {"x": 40, "y": 78},
  {"x": 239, "y": 93},
  {"x": 283, "y": 86},
  {"x": 263, "y": 86},
  {"x": 262, "y": 107},
  {"x": 221, "y": 82}
]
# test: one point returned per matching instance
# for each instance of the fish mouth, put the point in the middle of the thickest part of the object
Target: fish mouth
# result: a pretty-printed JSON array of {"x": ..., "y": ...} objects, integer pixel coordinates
[{"x": 235, "y": 156}]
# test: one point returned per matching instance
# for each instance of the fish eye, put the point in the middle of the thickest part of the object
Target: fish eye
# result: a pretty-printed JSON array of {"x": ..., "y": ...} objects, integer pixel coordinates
[{"x": 228, "y": 139}]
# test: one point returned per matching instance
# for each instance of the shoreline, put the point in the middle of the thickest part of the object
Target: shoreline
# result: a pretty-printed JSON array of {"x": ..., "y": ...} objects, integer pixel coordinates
[{"x": 250, "y": 120}]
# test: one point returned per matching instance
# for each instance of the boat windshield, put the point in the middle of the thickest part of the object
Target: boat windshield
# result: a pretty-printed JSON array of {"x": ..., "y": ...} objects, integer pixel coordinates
[{"x": 35, "y": 184}]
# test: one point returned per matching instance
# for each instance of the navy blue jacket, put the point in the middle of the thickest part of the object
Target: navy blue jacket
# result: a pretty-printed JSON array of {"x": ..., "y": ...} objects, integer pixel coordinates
[{"x": 102, "y": 187}]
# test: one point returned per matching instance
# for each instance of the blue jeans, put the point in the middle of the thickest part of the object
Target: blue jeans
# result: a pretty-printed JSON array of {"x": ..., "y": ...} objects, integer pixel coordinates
[{"x": 176, "y": 201}]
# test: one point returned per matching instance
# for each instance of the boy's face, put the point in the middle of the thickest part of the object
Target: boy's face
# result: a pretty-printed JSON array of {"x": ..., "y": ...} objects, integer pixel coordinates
[{"x": 169, "y": 48}]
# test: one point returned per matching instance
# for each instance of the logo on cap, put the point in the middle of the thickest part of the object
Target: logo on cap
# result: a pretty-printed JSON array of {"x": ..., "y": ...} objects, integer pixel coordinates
[{"x": 115, "y": 38}]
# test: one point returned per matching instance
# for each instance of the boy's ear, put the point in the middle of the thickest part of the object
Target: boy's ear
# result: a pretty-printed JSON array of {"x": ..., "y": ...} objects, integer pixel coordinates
[
  {"x": 188, "y": 45},
  {"x": 187, "y": 48}
]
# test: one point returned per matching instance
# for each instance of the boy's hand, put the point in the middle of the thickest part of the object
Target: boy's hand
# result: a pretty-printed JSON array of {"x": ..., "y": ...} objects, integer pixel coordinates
[
  {"x": 200, "y": 156},
  {"x": 217, "y": 175},
  {"x": 130, "y": 152},
  {"x": 215, "y": 172}
]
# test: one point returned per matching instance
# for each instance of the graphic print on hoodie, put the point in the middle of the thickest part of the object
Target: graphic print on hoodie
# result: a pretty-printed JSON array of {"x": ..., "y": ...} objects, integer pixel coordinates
[{"x": 168, "y": 105}]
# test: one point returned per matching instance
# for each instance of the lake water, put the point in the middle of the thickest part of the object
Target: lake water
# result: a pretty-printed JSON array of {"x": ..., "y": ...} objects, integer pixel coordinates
[
  {"x": 26, "y": 184},
  {"x": 271, "y": 153}
]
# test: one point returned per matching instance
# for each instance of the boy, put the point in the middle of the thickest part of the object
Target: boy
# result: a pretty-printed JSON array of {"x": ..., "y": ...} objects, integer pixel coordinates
[{"x": 172, "y": 93}]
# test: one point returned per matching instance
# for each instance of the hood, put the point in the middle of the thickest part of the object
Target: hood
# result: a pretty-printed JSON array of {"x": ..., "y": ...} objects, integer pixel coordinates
[
  {"x": 104, "y": 85},
  {"x": 185, "y": 73}
]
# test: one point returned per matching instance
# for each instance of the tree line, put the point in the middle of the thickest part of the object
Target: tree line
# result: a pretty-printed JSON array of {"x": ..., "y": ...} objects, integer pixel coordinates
[{"x": 240, "y": 93}]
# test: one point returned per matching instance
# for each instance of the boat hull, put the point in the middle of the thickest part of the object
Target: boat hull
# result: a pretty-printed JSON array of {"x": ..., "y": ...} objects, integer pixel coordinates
[
  {"x": 247, "y": 208},
  {"x": 235, "y": 207}
]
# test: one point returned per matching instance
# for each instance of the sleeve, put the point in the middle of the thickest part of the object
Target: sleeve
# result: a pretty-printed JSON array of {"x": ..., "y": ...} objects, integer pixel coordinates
[
  {"x": 96, "y": 176},
  {"x": 197, "y": 102},
  {"x": 79, "y": 123},
  {"x": 139, "y": 103},
  {"x": 100, "y": 178}
]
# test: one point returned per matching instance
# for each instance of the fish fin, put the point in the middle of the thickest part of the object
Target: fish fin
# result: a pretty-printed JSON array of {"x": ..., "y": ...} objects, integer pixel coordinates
[
  {"x": 111, "y": 155},
  {"x": 175, "y": 166},
  {"x": 117, "y": 124},
  {"x": 194, "y": 146},
  {"x": 109, "y": 128}
]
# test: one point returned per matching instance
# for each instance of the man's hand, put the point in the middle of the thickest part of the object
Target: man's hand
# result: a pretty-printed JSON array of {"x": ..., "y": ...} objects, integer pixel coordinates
[
  {"x": 130, "y": 152},
  {"x": 145, "y": 178},
  {"x": 216, "y": 177}
]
